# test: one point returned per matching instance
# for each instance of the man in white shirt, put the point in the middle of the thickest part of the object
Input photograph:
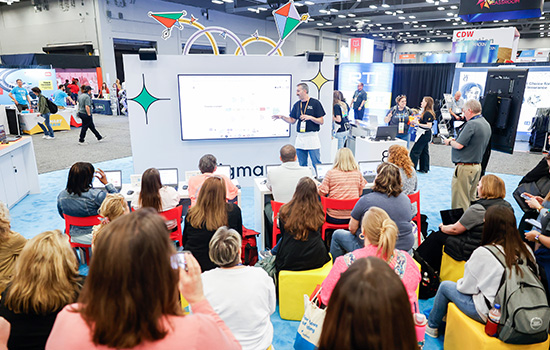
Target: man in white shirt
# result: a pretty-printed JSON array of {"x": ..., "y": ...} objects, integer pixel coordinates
[{"x": 456, "y": 111}]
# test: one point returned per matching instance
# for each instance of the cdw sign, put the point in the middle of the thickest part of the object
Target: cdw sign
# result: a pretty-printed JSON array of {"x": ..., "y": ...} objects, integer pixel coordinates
[{"x": 464, "y": 34}]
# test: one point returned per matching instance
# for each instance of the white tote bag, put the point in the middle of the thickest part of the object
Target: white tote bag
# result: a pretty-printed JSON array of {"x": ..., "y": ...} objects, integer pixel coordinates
[{"x": 309, "y": 331}]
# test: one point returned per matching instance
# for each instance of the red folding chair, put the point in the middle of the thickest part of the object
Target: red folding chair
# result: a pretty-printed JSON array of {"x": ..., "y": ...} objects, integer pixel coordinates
[
  {"x": 81, "y": 221},
  {"x": 174, "y": 214},
  {"x": 276, "y": 206},
  {"x": 415, "y": 197},
  {"x": 336, "y": 204}
]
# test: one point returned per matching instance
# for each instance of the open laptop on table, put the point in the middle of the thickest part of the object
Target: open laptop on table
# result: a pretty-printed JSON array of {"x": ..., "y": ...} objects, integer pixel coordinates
[
  {"x": 169, "y": 177},
  {"x": 386, "y": 133},
  {"x": 321, "y": 170},
  {"x": 368, "y": 169},
  {"x": 223, "y": 170},
  {"x": 113, "y": 176}
]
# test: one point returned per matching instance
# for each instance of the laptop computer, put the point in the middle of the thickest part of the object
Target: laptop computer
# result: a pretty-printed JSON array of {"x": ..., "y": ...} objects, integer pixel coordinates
[
  {"x": 223, "y": 170},
  {"x": 451, "y": 216},
  {"x": 268, "y": 167},
  {"x": 113, "y": 176},
  {"x": 169, "y": 177},
  {"x": 368, "y": 169},
  {"x": 386, "y": 133},
  {"x": 321, "y": 170},
  {"x": 2, "y": 134}
]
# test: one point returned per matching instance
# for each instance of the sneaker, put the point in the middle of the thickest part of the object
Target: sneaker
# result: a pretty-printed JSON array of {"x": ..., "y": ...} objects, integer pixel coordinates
[
  {"x": 432, "y": 332},
  {"x": 102, "y": 139},
  {"x": 265, "y": 254},
  {"x": 50, "y": 137},
  {"x": 45, "y": 137},
  {"x": 83, "y": 143}
]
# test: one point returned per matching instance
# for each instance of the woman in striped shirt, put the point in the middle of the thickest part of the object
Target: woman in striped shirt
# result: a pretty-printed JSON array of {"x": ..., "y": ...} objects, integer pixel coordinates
[{"x": 343, "y": 181}]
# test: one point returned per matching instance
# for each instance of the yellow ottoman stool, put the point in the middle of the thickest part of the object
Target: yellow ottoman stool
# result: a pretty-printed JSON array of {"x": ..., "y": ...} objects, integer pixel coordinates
[
  {"x": 292, "y": 287},
  {"x": 464, "y": 333},
  {"x": 451, "y": 270}
]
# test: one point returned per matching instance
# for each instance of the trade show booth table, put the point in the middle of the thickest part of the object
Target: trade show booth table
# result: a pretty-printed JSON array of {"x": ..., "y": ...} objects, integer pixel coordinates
[
  {"x": 62, "y": 120},
  {"x": 102, "y": 106},
  {"x": 18, "y": 171}
]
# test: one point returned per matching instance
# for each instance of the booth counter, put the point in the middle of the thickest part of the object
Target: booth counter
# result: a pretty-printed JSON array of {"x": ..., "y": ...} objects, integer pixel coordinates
[{"x": 62, "y": 120}]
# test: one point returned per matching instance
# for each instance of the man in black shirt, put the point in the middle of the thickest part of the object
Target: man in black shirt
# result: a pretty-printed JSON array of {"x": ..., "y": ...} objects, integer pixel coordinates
[
  {"x": 358, "y": 102},
  {"x": 309, "y": 113}
]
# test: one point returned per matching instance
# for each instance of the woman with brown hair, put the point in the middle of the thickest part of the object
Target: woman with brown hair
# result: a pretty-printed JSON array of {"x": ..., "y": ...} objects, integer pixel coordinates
[
  {"x": 300, "y": 220},
  {"x": 369, "y": 309},
  {"x": 399, "y": 115},
  {"x": 11, "y": 244},
  {"x": 209, "y": 214},
  {"x": 387, "y": 195},
  {"x": 380, "y": 236},
  {"x": 399, "y": 155},
  {"x": 153, "y": 194},
  {"x": 131, "y": 296},
  {"x": 463, "y": 237},
  {"x": 421, "y": 149},
  {"x": 45, "y": 280}
]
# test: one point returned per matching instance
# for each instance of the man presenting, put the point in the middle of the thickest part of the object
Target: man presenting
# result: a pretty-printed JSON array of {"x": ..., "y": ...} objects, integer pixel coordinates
[
  {"x": 309, "y": 113},
  {"x": 467, "y": 154},
  {"x": 358, "y": 102},
  {"x": 20, "y": 96}
]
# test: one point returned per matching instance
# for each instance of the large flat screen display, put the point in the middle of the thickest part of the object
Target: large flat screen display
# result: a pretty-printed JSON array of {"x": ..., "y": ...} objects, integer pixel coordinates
[{"x": 231, "y": 106}]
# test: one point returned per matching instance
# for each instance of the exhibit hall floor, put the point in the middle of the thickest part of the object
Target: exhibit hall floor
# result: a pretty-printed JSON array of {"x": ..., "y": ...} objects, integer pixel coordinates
[{"x": 38, "y": 212}]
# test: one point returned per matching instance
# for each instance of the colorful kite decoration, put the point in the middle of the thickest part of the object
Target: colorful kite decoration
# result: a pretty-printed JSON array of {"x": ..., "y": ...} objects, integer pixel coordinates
[
  {"x": 169, "y": 20},
  {"x": 287, "y": 19}
]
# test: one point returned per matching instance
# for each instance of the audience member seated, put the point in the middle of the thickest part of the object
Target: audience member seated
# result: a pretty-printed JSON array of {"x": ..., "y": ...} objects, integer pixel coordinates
[
  {"x": 11, "y": 244},
  {"x": 243, "y": 296},
  {"x": 153, "y": 194},
  {"x": 368, "y": 309},
  {"x": 343, "y": 181},
  {"x": 113, "y": 206},
  {"x": 45, "y": 280},
  {"x": 474, "y": 294},
  {"x": 207, "y": 166},
  {"x": 81, "y": 200},
  {"x": 463, "y": 237},
  {"x": 131, "y": 298},
  {"x": 380, "y": 235},
  {"x": 300, "y": 220},
  {"x": 387, "y": 195},
  {"x": 540, "y": 238},
  {"x": 541, "y": 176},
  {"x": 399, "y": 156},
  {"x": 210, "y": 213},
  {"x": 282, "y": 180}
]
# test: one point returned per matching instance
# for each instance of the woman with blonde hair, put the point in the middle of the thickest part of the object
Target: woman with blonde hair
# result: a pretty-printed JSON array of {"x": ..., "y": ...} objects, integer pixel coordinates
[
  {"x": 340, "y": 119},
  {"x": 463, "y": 237},
  {"x": 113, "y": 206},
  {"x": 203, "y": 219},
  {"x": 11, "y": 244},
  {"x": 301, "y": 246},
  {"x": 343, "y": 181},
  {"x": 131, "y": 296},
  {"x": 379, "y": 233},
  {"x": 243, "y": 296},
  {"x": 399, "y": 155},
  {"x": 45, "y": 280},
  {"x": 388, "y": 195}
]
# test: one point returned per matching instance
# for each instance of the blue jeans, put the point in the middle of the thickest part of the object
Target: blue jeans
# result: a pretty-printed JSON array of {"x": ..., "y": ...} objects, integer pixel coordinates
[
  {"x": 405, "y": 137},
  {"x": 447, "y": 293},
  {"x": 344, "y": 242},
  {"x": 342, "y": 137},
  {"x": 48, "y": 131},
  {"x": 314, "y": 154}
]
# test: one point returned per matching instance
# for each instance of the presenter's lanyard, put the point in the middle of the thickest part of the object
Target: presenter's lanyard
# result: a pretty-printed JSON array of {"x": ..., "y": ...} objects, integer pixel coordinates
[
  {"x": 302, "y": 112},
  {"x": 401, "y": 124}
]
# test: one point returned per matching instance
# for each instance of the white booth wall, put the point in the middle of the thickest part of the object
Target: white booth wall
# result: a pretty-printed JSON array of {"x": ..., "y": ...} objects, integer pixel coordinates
[{"x": 159, "y": 144}]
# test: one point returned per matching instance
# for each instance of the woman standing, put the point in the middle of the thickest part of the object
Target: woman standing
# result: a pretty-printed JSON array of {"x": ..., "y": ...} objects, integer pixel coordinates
[
  {"x": 44, "y": 113},
  {"x": 421, "y": 148},
  {"x": 399, "y": 115},
  {"x": 104, "y": 90},
  {"x": 340, "y": 119}
]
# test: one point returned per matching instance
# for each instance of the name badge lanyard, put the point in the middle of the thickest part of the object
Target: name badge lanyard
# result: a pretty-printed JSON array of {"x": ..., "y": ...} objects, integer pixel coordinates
[
  {"x": 401, "y": 127},
  {"x": 302, "y": 112}
]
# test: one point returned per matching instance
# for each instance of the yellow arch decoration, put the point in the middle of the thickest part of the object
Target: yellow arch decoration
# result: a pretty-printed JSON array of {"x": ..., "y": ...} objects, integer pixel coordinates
[
  {"x": 201, "y": 27},
  {"x": 259, "y": 38}
]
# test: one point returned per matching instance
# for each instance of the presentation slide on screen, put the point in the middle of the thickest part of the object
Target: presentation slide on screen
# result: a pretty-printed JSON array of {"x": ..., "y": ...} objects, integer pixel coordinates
[{"x": 233, "y": 106}]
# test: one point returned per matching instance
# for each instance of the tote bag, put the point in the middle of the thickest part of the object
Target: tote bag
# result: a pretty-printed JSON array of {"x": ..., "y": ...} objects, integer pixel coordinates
[{"x": 309, "y": 331}]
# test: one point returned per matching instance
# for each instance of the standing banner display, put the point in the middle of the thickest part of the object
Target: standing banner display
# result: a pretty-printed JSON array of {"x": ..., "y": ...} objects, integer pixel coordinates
[
  {"x": 377, "y": 79},
  {"x": 504, "y": 40},
  {"x": 42, "y": 78},
  {"x": 490, "y": 10},
  {"x": 361, "y": 50}
]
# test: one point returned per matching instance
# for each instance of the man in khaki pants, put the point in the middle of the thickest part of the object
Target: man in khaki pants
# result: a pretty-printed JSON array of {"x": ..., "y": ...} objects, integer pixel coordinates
[{"x": 467, "y": 154}]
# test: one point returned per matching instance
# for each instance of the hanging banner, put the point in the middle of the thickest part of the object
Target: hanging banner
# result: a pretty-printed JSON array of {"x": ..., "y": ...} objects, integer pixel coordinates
[
  {"x": 361, "y": 50},
  {"x": 42, "y": 78},
  {"x": 506, "y": 41},
  {"x": 535, "y": 96},
  {"x": 490, "y": 10}
]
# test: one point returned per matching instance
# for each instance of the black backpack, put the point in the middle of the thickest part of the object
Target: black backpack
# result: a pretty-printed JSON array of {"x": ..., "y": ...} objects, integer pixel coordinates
[
  {"x": 51, "y": 106},
  {"x": 524, "y": 307},
  {"x": 429, "y": 282}
]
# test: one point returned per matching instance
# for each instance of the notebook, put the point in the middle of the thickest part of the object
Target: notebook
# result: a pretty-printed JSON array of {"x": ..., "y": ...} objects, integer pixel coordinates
[
  {"x": 113, "y": 176},
  {"x": 169, "y": 177},
  {"x": 451, "y": 216}
]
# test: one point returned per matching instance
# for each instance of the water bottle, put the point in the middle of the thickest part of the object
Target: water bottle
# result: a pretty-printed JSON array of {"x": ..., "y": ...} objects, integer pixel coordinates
[{"x": 493, "y": 319}]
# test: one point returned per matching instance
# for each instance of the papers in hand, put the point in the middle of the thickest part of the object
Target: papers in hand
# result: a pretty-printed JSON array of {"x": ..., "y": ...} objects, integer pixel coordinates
[
  {"x": 534, "y": 222},
  {"x": 40, "y": 119}
]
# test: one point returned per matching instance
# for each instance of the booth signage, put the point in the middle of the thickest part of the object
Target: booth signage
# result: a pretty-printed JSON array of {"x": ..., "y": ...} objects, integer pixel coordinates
[
  {"x": 490, "y": 10},
  {"x": 505, "y": 39},
  {"x": 409, "y": 56}
]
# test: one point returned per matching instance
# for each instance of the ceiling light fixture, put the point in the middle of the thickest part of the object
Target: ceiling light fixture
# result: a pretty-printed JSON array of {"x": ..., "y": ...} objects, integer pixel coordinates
[
  {"x": 351, "y": 14},
  {"x": 388, "y": 13},
  {"x": 400, "y": 11},
  {"x": 412, "y": 17},
  {"x": 401, "y": 17},
  {"x": 309, "y": 3},
  {"x": 384, "y": 5},
  {"x": 454, "y": 7},
  {"x": 219, "y": 2},
  {"x": 341, "y": 16},
  {"x": 373, "y": 6},
  {"x": 441, "y": 8}
]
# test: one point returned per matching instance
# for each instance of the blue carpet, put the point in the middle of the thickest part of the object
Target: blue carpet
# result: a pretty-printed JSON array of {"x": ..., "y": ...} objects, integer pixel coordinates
[{"x": 38, "y": 212}]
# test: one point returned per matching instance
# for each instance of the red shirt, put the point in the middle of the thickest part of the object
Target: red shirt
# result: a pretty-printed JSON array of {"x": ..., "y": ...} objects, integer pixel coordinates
[{"x": 74, "y": 88}]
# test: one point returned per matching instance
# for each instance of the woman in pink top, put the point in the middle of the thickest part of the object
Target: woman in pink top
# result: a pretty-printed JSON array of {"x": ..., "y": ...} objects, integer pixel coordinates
[
  {"x": 131, "y": 296},
  {"x": 380, "y": 235},
  {"x": 343, "y": 181}
]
